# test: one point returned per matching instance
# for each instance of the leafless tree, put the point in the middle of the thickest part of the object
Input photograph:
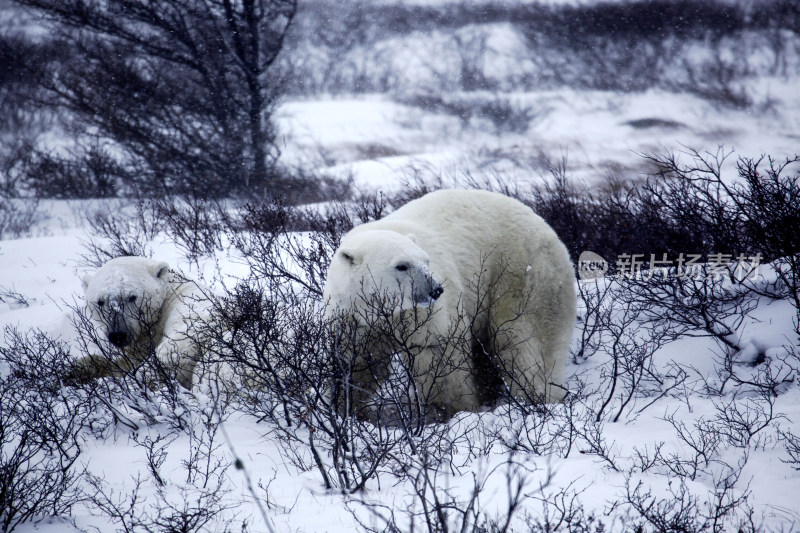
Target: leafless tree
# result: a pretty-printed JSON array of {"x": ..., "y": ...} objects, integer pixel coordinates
[{"x": 182, "y": 88}]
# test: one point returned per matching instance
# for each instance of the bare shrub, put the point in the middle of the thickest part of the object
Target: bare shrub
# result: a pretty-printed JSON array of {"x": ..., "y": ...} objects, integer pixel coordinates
[
  {"x": 272, "y": 350},
  {"x": 113, "y": 235},
  {"x": 702, "y": 444},
  {"x": 690, "y": 207},
  {"x": 698, "y": 301},
  {"x": 288, "y": 261},
  {"x": 751, "y": 216},
  {"x": 792, "y": 446},
  {"x": 499, "y": 111},
  {"x": 703, "y": 47},
  {"x": 632, "y": 372},
  {"x": 40, "y": 431},
  {"x": 128, "y": 390},
  {"x": 767, "y": 199},
  {"x": 742, "y": 423},
  {"x": 615, "y": 220},
  {"x": 719, "y": 78},
  {"x": 199, "y": 502},
  {"x": 279, "y": 357},
  {"x": 15, "y": 155},
  {"x": 752, "y": 213},
  {"x": 436, "y": 508},
  {"x": 18, "y": 216},
  {"x": 192, "y": 510},
  {"x": 43, "y": 425},
  {"x": 192, "y": 223},
  {"x": 684, "y": 511},
  {"x": 562, "y": 510},
  {"x": 89, "y": 171},
  {"x": 13, "y": 298},
  {"x": 559, "y": 429},
  {"x": 198, "y": 226},
  {"x": 594, "y": 309},
  {"x": 297, "y": 186}
]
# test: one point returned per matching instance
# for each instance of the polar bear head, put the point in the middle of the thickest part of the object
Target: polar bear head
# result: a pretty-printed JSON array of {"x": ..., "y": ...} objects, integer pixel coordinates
[
  {"x": 384, "y": 264},
  {"x": 126, "y": 296}
]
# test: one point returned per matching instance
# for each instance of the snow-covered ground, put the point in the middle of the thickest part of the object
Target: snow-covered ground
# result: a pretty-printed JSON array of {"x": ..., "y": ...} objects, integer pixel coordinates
[
  {"x": 382, "y": 143},
  {"x": 46, "y": 271}
]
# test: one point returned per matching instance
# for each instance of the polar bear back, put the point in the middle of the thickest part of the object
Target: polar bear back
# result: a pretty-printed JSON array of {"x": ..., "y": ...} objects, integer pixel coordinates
[{"x": 462, "y": 229}]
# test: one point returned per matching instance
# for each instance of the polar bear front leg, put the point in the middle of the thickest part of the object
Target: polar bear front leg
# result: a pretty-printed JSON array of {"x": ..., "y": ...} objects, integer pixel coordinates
[
  {"x": 363, "y": 376},
  {"x": 90, "y": 367},
  {"x": 181, "y": 346},
  {"x": 444, "y": 380},
  {"x": 178, "y": 357}
]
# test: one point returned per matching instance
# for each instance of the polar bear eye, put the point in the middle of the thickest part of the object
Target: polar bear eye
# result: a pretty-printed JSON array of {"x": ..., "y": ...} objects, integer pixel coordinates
[
  {"x": 402, "y": 267},
  {"x": 100, "y": 303}
]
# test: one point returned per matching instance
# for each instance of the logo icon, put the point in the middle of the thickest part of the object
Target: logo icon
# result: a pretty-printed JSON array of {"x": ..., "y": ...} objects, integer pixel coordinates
[{"x": 591, "y": 266}]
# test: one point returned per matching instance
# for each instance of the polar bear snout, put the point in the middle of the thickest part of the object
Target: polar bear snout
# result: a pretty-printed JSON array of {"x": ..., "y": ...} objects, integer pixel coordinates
[
  {"x": 433, "y": 290},
  {"x": 119, "y": 334},
  {"x": 435, "y": 293},
  {"x": 120, "y": 339}
]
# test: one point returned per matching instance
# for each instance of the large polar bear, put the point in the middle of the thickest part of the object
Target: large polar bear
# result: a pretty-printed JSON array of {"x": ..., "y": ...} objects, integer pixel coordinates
[
  {"x": 490, "y": 291},
  {"x": 144, "y": 308}
]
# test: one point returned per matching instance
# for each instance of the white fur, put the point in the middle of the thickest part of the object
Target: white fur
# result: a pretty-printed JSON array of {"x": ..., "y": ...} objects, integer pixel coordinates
[
  {"x": 146, "y": 307},
  {"x": 508, "y": 286}
]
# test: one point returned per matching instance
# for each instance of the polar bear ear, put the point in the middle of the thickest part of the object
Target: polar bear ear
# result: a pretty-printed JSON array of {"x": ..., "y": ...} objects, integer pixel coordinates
[
  {"x": 160, "y": 270},
  {"x": 349, "y": 257},
  {"x": 86, "y": 280}
]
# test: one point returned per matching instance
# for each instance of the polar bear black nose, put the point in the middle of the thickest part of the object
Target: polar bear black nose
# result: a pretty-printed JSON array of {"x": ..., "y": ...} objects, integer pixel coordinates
[
  {"x": 118, "y": 339},
  {"x": 435, "y": 293}
]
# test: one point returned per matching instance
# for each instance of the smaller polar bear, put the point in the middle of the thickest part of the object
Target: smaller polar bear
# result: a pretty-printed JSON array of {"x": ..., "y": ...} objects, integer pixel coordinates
[
  {"x": 472, "y": 289},
  {"x": 144, "y": 308}
]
